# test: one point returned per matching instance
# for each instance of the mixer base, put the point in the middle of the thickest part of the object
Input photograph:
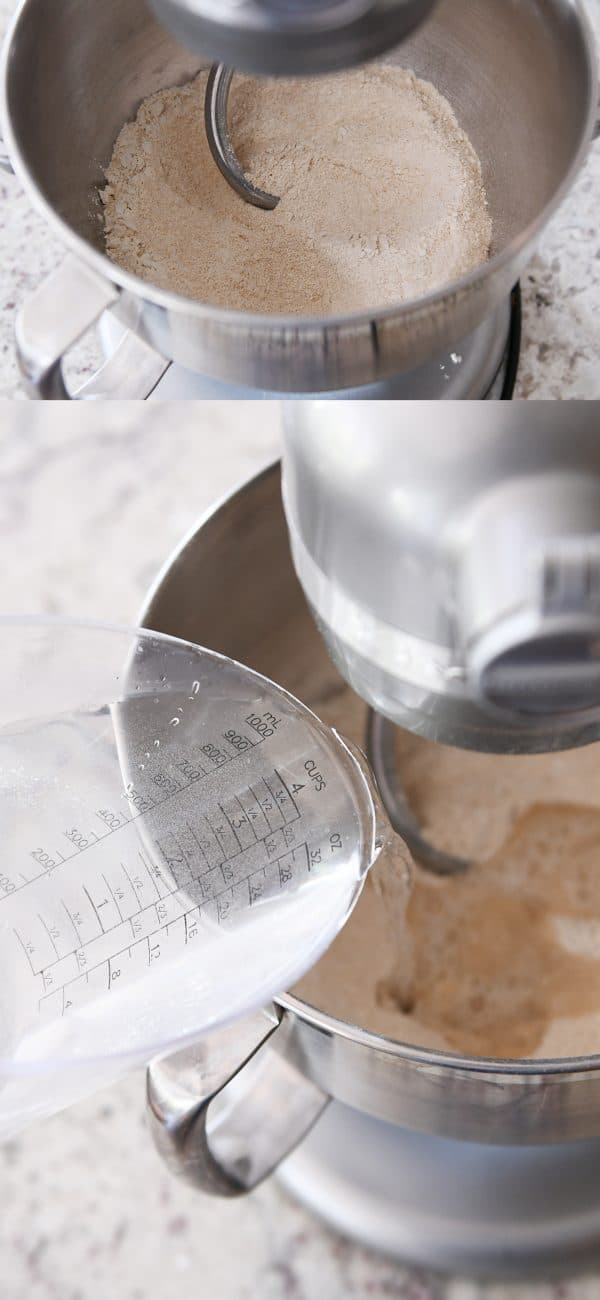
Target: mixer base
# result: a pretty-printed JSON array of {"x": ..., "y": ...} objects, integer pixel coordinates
[
  {"x": 456, "y": 1207},
  {"x": 482, "y": 366}
]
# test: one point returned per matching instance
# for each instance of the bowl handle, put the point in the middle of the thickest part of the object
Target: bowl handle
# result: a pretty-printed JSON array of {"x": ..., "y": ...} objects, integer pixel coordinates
[
  {"x": 56, "y": 316},
  {"x": 269, "y": 1107},
  {"x": 5, "y": 163}
]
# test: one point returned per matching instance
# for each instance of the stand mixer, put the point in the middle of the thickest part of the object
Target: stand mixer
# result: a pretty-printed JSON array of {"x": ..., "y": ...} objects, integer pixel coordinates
[
  {"x": 452, "y": 577},
  {"x": 497, "y": 65},
  {"x": 297, "y": 39}
]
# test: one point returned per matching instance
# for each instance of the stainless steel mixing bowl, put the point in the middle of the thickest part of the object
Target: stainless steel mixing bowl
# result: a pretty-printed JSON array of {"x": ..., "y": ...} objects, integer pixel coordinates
[
  {"x": 520, "y": 76},
  {"x": 232, "y": 586}
]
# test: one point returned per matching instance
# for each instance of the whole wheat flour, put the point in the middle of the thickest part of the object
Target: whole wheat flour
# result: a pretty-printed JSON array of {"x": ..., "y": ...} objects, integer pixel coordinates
[
  {"x": 382, "y": 197},
  {"x": 501, "y": 961}
]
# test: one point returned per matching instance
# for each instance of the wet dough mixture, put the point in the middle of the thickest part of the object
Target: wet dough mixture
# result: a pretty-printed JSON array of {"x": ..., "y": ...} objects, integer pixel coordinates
[
  {"x": 502, "y": 961},
  {"x": 382, "y": 197}
]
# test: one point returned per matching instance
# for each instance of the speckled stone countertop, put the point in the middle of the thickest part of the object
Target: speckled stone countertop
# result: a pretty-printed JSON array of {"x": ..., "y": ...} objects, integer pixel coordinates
[
  {"x": 561, "y": 288},
  {"x": 93, "y": 499}
]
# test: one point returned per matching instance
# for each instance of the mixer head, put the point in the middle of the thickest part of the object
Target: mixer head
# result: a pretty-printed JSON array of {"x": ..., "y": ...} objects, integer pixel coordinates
[
  {"x": 291, "y": 37},
  {"x": 451, "y": 557}
]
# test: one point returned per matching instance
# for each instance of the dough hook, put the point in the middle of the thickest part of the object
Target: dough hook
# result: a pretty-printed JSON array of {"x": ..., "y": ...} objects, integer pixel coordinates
[
  {"x": 380, "y": 752},
  {"x": 219, "y": 139}
]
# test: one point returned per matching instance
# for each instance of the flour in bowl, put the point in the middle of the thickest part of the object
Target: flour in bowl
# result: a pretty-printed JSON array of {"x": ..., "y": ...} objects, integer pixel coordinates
[
  {"x": 382, "y": 195},
  {"x": 504, "y": 960}
]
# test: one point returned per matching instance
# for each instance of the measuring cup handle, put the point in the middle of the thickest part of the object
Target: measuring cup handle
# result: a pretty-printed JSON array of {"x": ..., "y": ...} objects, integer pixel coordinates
[
  {"x": 267, "y": 1109},
  {"x": 56, "y": 316}
]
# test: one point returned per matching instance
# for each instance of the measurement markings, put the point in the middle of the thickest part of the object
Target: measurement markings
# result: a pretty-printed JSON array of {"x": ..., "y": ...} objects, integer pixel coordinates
[
  {"x": 146, "y": 939},
  {"x": 77, "y": 934},
  {"x": 255, "y": 890},
  {"x": 178, "y": 889},
  {"x": 191, "y": 928},
  {"x": 133, "y": 886},
  {"x": 281, "y": 799},
  {"x": 112, "y": 894},
  {"x": 30, "y": 880},
  {"x": 131, "y": 817},
  {"x": 232, "y": 827},
  {"x": 27, "y": 954},
  {"x": 174, "y": 861},
  {"x": 42, "y": 921},
  {"x": 81, "y": 947},
  {"x": 264, "y": 811},
  {"x": 219, "y": 840},
  {"x": 288, "y": 792},
  {"x": 254, "y": 812},
  {"x": 149, "y": 874},
  {"x": 92, "y": 903},
  {"x": 195, "y": 837},
  {"x": 245, "y": 816}
]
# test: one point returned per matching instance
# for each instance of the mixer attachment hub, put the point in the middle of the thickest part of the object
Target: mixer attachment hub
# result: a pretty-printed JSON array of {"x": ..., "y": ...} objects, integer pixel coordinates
[{"x": 291, "y": 37}]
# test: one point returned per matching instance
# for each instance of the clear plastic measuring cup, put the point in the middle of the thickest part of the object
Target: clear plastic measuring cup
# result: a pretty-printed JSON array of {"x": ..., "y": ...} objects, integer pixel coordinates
[{"x": 180, "y": 840}]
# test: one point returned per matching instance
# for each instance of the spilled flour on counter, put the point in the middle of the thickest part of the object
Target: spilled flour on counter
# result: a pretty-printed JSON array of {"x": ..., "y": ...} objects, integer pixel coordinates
[{"x": 382, "y": 196}]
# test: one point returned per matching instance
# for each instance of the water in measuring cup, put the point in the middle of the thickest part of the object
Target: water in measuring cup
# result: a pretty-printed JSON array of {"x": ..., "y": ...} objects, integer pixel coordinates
[{"x": 178, "y": 845}]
